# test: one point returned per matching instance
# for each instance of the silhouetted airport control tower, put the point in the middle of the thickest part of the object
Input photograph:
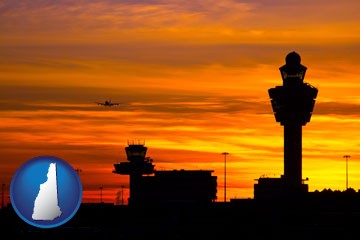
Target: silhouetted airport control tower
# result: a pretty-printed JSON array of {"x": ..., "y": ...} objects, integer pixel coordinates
[
  {"x": 293, "y": 104},
  {"x": 137, "y": 165}
]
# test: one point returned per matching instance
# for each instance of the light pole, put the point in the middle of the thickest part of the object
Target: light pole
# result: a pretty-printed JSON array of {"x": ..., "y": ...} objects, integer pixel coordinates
[
  {"x": 101, "y": 188},
  {"x": 225, "y": 153},
  {"x": 2, "y": 195},
  {"x": 347, "y": 174},
  {"x": 122, "y": 194}
]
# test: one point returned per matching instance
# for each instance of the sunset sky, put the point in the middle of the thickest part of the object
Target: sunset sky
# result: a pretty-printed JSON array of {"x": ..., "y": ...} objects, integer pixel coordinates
[{"x": 192, "y": 77}]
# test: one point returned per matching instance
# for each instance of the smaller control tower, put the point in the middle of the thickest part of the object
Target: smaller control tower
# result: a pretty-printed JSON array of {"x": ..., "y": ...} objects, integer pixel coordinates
[
  {"x": 138, "y": 165},
  {"x": 164, "y": 187}
]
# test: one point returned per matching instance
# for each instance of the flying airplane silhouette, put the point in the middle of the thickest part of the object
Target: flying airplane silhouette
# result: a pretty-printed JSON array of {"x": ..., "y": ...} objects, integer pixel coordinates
[{"x": 107, "y": 103}]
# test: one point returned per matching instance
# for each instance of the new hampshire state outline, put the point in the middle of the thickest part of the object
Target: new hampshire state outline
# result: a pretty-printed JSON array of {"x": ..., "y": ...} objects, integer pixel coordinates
[{"x": 46, "y": 204}]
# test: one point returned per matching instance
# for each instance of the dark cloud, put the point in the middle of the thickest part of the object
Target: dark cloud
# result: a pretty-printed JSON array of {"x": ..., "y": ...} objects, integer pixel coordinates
[
  {"x": 17, "y": 98},
  {"x": 78, "y": 56},
  {"x": 151, "y": 56},
  {"x": 25, "y": 98},
  {"x": 337, "y": 108}
]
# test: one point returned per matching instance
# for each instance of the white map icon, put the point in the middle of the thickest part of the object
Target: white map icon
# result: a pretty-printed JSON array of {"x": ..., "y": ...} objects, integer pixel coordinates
[{"x": 46, "y": 206}]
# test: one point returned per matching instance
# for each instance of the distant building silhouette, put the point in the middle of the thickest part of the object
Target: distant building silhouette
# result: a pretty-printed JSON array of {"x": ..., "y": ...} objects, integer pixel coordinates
[
  {"x": 178, "y": 187},
  {"x": 164, "y": 187},
  {"x": 292, "y": 103}
]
